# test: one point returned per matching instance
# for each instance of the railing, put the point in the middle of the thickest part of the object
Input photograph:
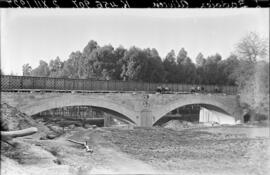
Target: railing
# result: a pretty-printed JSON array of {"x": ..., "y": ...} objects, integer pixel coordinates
[{"x": 9, "y": 82}]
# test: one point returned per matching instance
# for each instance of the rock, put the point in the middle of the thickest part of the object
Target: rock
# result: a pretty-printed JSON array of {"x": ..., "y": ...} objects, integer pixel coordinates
[
  {"x": 215, "y": 124},
  {"x": 51, "y": 136},
  {"x": 58, "y": 162},
  {"x": 87, "y": 126},
  {"x": 238, "y": 122},
  {"x": 56, "y": 129},
  {"x": 38, "y": 144},
  {"x": 207, "y": 124},
  {"x": 71, "y": 126},
  {"x": 43, "y": 138}
]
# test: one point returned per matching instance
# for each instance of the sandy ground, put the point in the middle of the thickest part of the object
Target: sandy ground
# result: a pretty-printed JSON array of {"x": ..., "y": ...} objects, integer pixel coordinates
[
  {"x": 220, "y": 150},
  {"x": 44, "y": 157}
]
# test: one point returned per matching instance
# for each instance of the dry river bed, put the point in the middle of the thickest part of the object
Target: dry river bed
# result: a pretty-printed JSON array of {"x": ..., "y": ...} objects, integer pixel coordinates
[{"x": 220, "y": 150}]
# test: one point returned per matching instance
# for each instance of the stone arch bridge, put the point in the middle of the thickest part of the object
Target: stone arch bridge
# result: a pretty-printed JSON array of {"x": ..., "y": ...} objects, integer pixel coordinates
[{"x": 144, "y": 109}]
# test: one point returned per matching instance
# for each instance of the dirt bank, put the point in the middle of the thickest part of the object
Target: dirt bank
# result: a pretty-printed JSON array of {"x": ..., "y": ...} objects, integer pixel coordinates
[{"x": 59, "y": 156}]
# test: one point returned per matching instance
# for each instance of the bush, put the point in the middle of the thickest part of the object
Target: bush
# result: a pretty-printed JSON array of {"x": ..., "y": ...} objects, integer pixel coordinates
[{"x": 260, "y": 117}]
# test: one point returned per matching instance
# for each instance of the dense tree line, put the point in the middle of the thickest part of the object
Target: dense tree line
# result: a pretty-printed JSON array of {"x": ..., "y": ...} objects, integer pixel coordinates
[{"x": 136, "y": 64}]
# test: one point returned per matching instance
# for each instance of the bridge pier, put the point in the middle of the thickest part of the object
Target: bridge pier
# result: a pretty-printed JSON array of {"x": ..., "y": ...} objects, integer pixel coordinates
[{"x": 146, "y": 118}]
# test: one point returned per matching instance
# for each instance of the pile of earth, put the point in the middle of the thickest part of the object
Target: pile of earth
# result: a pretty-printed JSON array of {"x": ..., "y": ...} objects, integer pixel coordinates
[
  {"x": 12, "y": 119},
  {"x": 180, "y": 125},
  {"x": 28, "y": 155}
]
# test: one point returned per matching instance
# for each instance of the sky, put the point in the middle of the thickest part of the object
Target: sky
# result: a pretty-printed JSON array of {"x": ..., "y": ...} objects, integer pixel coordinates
[{"x": 30, "y": 35}]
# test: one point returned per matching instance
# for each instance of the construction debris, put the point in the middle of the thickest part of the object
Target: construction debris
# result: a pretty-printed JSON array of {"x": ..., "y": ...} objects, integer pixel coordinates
[
  {"x": 87, "y": 149},
  {"x": 19, "y": 133},
  {"x": 7, "y": 136}
]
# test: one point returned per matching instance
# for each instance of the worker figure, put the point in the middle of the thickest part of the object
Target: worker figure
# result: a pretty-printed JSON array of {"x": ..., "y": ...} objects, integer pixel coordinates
[
  {"x": 216, "y": 89},
  {"x": 192, "y": 89},
  {"x": 159, "y": 89},
  {"x": 165, "y": 89},
  {"x": 202, "y": 88}
]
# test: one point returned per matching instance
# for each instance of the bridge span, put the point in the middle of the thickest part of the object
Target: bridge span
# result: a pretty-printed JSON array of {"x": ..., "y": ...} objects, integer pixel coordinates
[
  {"x": 143, "y": 109},
  {"x": 136, "y": 101}
]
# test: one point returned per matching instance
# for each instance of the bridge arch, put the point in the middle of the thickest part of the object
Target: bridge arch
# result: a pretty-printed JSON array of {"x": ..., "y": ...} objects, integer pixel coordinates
[
  {"x": 35, "y": 106},
  {"x": 162, "y": 111}
]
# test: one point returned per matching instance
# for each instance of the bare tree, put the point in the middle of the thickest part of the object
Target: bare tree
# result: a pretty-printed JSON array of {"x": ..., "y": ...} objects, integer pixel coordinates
[
  {"x": 252, "y": 72},
  {"x": 252, "y": 47}
]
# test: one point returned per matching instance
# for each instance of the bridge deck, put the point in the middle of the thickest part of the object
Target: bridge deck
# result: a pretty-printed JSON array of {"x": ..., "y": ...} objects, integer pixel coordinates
[
  {"x": 26, "y": 83},
  {"x": 101, "y": 91}
]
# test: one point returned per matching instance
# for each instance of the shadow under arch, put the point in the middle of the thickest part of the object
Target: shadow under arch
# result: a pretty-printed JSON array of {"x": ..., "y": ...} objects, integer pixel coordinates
[
  {"x": 213, "y": 106},
  {"x": 34, "y": 107},
  {"x": 114, "y": 113},
  {"x": 197, "y": 109}
]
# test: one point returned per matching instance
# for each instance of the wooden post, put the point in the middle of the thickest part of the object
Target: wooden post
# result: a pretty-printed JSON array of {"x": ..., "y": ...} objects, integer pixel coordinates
[
  {"x": 65, "y": 88},
  {"x": 21, "y": 82},
  {"x": 54, "y": 83},
  {"x": 33, "y": 83},
  {"x": 9, "y": 82},
  {"x": 44, "y": 83},
  {"x": 91, "y": 84}
]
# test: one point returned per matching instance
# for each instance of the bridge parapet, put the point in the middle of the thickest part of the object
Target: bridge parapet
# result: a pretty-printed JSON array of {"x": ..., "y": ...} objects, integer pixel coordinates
[{"x": 63, "y": 84}]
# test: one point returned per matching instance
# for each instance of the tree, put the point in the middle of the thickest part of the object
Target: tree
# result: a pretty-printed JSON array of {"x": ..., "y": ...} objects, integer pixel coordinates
[
  {"x": 155, "y": 71},
  {"x": 119, "y": 55},
  {"x": 42, "y": 70},
  {"x": 170, "y": 67},
  {"x": 135, "y": 64},
  {"x": 56, "y": 67},
  {"x": 170, "y": 58},
  {"x": 73, "y": 67},
  {"x": 226, "y": 68},
  {"x": 252, "y": 47},
  {"x": 252, "y": 76},
  {"x": 27, "y": 70},
  {"x": 261, "y": 89},
  {"x": 210, "y": 70},
  {"x": 189, "y": 71},
  {"x": 186, "y": 70},
  {"x": 89, "y": 48},
  {"x": 249, "y": 50},
  {"x": 103, "y": 62},
  {"x": 200, "y": 60},
  {"x": 182, "y": 56}
]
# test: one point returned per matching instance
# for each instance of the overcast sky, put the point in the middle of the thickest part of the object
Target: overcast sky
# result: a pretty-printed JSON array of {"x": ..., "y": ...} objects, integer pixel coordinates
[{"x": 28, "y": 35}]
